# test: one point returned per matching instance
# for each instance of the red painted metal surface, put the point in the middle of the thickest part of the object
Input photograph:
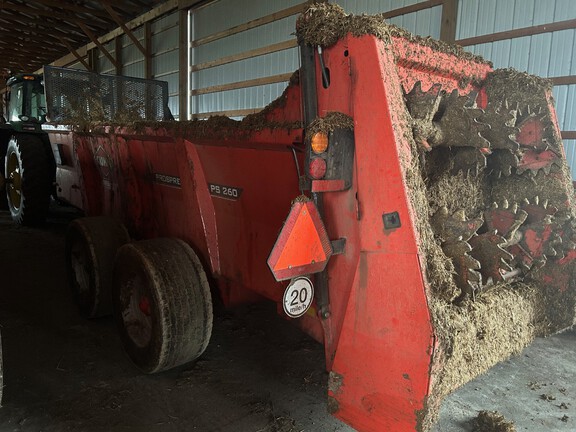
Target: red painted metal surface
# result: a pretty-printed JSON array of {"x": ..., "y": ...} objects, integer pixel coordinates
[{"x": 228, "y": 198}]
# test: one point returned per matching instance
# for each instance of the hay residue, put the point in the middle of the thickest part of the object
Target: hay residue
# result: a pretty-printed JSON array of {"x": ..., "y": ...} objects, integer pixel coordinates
[
  {"x": 456, "y": 192},
  {"x": 332, "y": 121},
  {"x": 502, "y": 84},
  {"x": 324, "y": 24},
  {"x": 492, "y": 421}
]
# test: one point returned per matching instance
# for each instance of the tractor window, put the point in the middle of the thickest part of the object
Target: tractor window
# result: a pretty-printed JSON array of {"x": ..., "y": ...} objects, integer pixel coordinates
[
  {"x": 16, "y": 102},
  {"x": 37, "y": 101}
]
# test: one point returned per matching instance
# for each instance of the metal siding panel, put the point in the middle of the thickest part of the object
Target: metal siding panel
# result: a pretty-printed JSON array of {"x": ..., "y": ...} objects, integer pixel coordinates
[
  {"x": 544, "y": 12},
  {"x": 163, "y": 23},
  {"x": 165, "y": 40},
  {"x": 565, "y": 9},
  {"x": 487, "y": 17},
  {"x": 255, "y": 67},
  {"x": 504, "y": 15},
  {"x": 501, "y": 54},
  {"x": 224, "y": 14},
  {"x": 570, "y": 149},
  {"x": 519, "y": 53},
  {"x": 134, "y": 70},
  {"x": 165, "y": 63},
  {"x": 173, "y": 104},
  {"x": 561, "y": 100},
  {"x": 77, "y": 65},
  {"x": 131, "y": 54},
  {"x": 569, "y": 119},
  {"x": 523, "y": 14},
  {"x": 262, "y": 36},
  {"x": 539, "y": 58},
  {"x": 467, "y": 22},
  {"x": 561, "y": 53}
]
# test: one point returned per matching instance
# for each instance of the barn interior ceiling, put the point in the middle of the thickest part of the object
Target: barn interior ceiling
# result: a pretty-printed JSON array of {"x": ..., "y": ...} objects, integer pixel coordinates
[{"x": 36, "y": 32}]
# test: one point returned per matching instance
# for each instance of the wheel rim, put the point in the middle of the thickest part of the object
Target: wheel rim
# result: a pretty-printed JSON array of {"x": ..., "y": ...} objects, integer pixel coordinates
[
  {"x": 79, "y": 262},
  {"x": 136, "y": 315},
  {"x": 14, "y": 181}
]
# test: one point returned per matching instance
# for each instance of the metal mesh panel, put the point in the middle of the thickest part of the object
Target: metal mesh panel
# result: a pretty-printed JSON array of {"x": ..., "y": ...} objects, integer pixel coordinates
[{"x": 73, "y": 95}]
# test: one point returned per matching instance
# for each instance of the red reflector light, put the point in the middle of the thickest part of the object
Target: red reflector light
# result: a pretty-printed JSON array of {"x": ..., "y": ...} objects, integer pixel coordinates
[
  {"x": 317, "y": 168},
  {"x": 303, "y": 246}
]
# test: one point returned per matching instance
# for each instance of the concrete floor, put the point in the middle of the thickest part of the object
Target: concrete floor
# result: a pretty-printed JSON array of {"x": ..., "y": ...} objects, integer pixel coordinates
[{"x": 259, "y": 374}]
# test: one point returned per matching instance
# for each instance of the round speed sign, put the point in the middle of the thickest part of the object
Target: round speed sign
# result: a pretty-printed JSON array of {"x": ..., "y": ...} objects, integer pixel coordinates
[{"x": 298, "y": 297}]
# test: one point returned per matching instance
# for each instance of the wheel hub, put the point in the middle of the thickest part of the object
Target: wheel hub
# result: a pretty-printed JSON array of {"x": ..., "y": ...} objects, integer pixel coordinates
[{"x": 137, "y": 313}]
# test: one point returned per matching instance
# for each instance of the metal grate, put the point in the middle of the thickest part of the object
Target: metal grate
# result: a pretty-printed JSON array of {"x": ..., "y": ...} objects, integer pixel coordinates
[{"x": 74, "y": 96}]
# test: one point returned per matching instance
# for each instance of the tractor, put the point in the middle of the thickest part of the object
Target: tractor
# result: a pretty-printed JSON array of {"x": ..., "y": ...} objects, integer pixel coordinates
[{"x": 29, "y": 168}]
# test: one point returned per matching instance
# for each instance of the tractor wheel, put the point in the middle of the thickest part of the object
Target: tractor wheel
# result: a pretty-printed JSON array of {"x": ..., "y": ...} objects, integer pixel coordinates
[
  {"x": 91, "y": 245},
  {"x": 162, "y": 303},
  {"x": 28, "y": 180},
  {"x": 3, "y": 197}
]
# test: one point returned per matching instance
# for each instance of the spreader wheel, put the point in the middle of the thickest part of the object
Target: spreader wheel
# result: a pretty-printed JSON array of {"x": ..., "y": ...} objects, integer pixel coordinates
[
  {"x": 91, "y": 245},
  {"x": 162, "y": 303},
  {"x": 28, "y": 173}
]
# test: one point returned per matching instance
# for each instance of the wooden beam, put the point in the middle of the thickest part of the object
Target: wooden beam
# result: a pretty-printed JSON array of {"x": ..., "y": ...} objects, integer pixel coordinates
[
  {"x": 184, "y": 71},
  {"x": 252, "y": 24},
  {"x": 412, "y": 8},
  {"x": 246, "y": 55},
  {"x": 75, "y": 53},
  {"x": 163, "y": 9},
  {"x": 48, "y": 25},
  {"x": 94, "y": 40},
  {"x": 568, "y": 135},
  {"x": 66, "y": 5},
  {"x": 47, "y": 31},
  {"x": 243, "y": 84},
  {"x": 449, "y": 18},
  {"x": 564, "y": 80},
  {"x": 525, "y": 31},
  {"x": 187, "y": 4},
  {"x": 123, "y": 26}
]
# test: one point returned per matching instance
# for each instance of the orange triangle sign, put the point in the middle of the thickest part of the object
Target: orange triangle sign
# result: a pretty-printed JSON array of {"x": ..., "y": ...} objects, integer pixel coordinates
[{"x": 303, "y": 246}]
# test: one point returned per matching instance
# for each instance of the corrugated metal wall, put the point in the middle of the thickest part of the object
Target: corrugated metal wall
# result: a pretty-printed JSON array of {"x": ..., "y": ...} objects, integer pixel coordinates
[
  {"x": 164, "y": 51},
  {"x": 165, "y": 67},
  {"x": 220, "y": 16},
  {"x": 131, "y": 57},
  {"x": 103, "y": 63},
  {"x": 550, "y": 54},
  {"x": 425, "y": 22}
]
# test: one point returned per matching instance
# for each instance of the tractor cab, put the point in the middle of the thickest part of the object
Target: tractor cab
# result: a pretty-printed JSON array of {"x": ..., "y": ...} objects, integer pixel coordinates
[{"x": 25, "y": 103}]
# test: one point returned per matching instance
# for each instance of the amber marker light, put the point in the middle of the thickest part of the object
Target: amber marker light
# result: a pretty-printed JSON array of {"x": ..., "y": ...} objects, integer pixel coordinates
[{"x": 319, "y": 142}]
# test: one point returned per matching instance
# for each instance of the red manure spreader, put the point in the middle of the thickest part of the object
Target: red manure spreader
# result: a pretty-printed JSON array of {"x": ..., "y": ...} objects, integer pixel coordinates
[{"x": 402, "y": 202}]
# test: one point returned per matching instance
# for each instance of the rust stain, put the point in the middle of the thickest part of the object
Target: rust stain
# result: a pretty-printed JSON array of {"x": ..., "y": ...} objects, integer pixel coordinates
[
  {"x": 333, "y": 405},
  {"x": 335, "y": 382}
]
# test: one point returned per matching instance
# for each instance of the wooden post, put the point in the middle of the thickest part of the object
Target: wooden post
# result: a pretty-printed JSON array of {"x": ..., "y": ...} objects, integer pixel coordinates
[{"x": 449, "y": 19}]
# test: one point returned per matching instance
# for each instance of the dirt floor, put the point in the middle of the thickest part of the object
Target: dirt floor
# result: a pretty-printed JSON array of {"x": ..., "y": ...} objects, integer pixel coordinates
[{"x": 63, "y": 373}]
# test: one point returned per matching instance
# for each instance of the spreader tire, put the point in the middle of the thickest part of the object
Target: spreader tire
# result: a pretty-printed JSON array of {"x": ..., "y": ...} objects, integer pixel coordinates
[
  {"x": 29, "y": 179},
  {"x": 91, "y": 245},
  {"x": 162, "y": 303}
]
